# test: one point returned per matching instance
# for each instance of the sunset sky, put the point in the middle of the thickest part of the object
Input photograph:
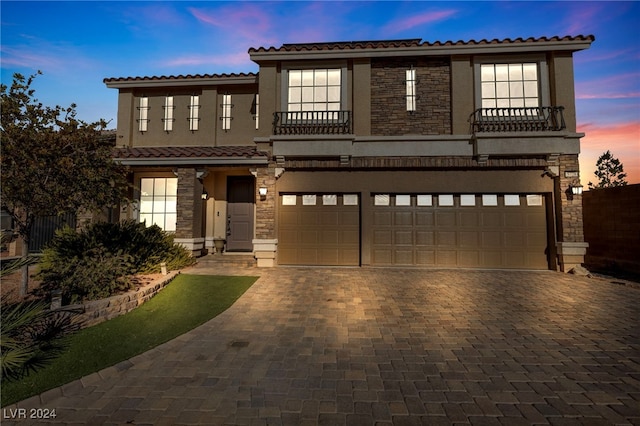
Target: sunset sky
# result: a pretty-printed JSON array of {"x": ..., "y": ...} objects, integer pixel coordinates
[{"x": 77, "y": 44}]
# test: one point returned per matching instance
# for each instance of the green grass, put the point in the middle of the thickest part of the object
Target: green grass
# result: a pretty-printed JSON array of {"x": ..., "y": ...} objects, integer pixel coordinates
[{"x": 187, "y": 302}]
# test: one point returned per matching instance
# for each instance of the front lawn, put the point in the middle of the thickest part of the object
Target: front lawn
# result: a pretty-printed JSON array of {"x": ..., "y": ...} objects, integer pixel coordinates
[{"x": 187, "y": 302}]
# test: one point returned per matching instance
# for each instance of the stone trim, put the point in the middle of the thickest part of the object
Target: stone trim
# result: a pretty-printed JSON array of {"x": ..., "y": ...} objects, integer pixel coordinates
[{"x": 265, "y": 252}]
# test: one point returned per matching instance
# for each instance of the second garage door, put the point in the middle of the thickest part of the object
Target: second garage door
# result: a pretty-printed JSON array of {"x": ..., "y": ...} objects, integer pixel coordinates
[
  {"x": 319, "y": 229},
  {"x": 460, "y": 230}
]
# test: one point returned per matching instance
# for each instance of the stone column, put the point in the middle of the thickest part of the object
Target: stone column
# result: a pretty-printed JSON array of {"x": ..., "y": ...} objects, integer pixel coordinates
[
  {"x": 189, "y": 210},
  {"x": 265, "y": 244},
  {"x": 571, "y": 247}
]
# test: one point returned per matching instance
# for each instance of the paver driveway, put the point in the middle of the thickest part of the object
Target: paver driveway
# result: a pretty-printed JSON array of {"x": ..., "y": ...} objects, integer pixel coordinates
[{"x": 385, "y": 346}]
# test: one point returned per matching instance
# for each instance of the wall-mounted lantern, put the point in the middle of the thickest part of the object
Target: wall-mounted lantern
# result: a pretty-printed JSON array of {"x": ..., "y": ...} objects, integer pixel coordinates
[
  {"x": 576, "y": 188},
  {"x": 263, "y": 192},
  {"x": 205, "y": 194}
]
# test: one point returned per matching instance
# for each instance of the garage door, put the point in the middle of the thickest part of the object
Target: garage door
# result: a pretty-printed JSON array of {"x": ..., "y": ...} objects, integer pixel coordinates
[
  {"x": 460, "y": 230},
  {"x": 319, "y": 229}
]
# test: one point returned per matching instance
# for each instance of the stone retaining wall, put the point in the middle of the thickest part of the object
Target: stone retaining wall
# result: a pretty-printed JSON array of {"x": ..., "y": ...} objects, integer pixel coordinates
[{"x": 97, "y": 311}]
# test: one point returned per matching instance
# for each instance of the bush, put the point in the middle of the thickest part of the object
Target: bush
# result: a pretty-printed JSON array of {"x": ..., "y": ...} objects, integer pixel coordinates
[
  {"x": 96, "y": 262},
  {"x": 32, "y": 336}
]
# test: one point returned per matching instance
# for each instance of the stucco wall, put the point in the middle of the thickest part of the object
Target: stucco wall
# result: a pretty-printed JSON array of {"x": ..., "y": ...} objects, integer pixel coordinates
[{"x": 612, "y": 227}]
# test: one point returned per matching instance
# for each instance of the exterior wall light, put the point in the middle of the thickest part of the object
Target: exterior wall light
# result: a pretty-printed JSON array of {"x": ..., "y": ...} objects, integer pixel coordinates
[
  {"x": 576, "y": 188},
  {"x": 205, "y": 194},
  {"x": 262, "y": 191}
]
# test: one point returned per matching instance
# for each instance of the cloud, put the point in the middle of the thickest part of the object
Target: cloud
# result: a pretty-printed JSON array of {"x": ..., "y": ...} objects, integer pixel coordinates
[
  {"x": 584, "y": 18},
  {"x": 247, "y": 22},
  {"x": 619, "y": 86},
  {"x": 425, "y": 18},
  {"x": 622, "y": 139}
]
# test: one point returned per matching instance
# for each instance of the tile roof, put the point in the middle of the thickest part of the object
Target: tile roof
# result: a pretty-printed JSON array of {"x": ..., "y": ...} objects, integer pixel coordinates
[
  {"x": 188, "y": 152},
  {"x": 181, "y": 77},
  {"x": 386, "y": 44}
]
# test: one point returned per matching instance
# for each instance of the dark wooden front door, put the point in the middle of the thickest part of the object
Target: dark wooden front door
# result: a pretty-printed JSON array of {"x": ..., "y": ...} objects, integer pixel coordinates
[{"x": 240, "y": 212}]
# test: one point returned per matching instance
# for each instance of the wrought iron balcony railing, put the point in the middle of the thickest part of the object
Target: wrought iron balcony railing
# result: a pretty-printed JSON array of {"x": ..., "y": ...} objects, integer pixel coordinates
[
  {"x": 532, "y": 119},
  {"x": 311, "y": 122}
]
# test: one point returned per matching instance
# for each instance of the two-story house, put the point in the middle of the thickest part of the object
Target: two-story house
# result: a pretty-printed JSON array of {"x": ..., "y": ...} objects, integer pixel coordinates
[{"x": 381, "y": 153}]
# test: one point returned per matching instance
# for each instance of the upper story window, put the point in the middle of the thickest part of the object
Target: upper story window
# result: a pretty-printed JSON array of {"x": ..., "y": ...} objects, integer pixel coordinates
[
  {"x": 194, "y": 112},
  {"x": 411, "y": 89},
  {"x": 226, "y": 112},
  {"x": 314, "y": 89},
  {"x": 143, "y": 114},
  {"x": 168, "y": 114},
  {"x": 512, "y": 85}
]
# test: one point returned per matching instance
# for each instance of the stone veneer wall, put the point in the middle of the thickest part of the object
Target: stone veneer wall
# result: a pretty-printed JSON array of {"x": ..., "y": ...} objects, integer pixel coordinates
[
  {"x": 97, "y": 311},
  {"x": 266, "y": 208},
  {"x": 572, "y": 229},
  {"x": 612, "y": 227},
  {"x": 389, "y": 115},
  {"x": 186, "y": 207}
]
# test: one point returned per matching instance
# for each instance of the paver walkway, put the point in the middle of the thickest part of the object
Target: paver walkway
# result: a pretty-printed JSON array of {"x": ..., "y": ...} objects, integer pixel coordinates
[{"x": 385, "y": 346}]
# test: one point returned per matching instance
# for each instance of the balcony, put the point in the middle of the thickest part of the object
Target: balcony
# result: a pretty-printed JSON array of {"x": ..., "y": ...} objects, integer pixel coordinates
[
  {"x": 534, "y": 119},
  {"x": 311, "y": 122}
]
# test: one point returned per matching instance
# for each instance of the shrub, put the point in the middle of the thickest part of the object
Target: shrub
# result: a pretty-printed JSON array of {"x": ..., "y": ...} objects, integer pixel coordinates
[
  {"x": 97, "y": 261},
  {"x": 32, "y": 336}
]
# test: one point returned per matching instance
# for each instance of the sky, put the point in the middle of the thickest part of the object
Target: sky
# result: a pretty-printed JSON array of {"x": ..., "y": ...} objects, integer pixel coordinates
[{"x": 79, "y": 43}]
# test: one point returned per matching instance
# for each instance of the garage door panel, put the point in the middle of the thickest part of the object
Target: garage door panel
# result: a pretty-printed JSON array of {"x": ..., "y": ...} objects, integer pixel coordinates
[
  {"x": 446, "y": 258},
  {"x": 491, "y": 239},
  {"x": 290, "y": 217},
  {"x": 446, "y": 219},
  {"x": 468, "y": 258},
  {"x": 382, "y": 218},
  {"x": 424, "y": 218},
  {"x": 514, "y": 240},
  {"x": 490, "y": 233},
  {"x": 382, "y": 237},
  {"x": 469, "y": 219},
  {"x": 351, "y": 238},
  {"x": 403, "y": 237},
  {"x": 403, "y": 218},
  {"x": 425, "y": 238},
  {"x": 350, "y": 218},
  {"x": 382, "y": 257},
  {"x": 308, "y": 218},
  {"x": 329, "y": 237},
  {"x": 468, "y": 239},
  {"x": 329, "y": 218},
  {"x": 536, "y": 220},
  {"x": 425, "y": 257},
  {"x": 491, "y": 219},
  {"x": 446, "y": 238},
  {"x": 491, "y": 259},
  {"x": 514, "y": 219},
  {"x": 403, "y": 257}
]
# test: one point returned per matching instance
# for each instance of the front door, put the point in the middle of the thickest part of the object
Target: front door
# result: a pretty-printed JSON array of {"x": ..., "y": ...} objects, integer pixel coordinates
[{"x": 240, "y": 208}]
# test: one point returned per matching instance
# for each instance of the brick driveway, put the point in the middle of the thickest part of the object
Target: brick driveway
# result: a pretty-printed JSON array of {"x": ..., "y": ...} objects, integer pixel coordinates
[{"x": 385, "y": 346}]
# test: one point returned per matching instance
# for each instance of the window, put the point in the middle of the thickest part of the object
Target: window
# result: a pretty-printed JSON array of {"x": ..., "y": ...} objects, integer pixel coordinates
[
  {"x": 158, "y": 202},
  {"x": 194, "y": 109},
  {"x": 143, "y": 111},
  {"x": 226, "y": 112},
  {"x": 256, "y": 110},
  {"x": 314, "y": 89},
  {"x": 168, "y": 114},
  {"x": 411, "y": 90},
  {"x": 513, "y": 85}
]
